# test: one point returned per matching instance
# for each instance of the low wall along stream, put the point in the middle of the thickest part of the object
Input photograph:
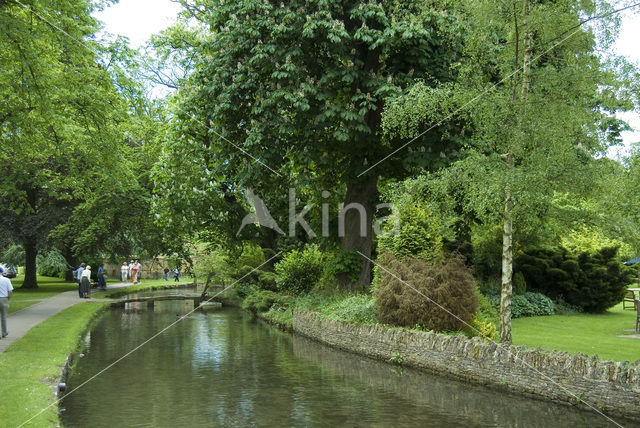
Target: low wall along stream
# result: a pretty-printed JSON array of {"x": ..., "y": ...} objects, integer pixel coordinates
[{"x": 608, "y": 386}]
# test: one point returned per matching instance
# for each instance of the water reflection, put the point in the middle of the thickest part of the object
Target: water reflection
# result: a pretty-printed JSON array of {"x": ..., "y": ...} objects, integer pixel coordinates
[{"x": 223, "y": 369}]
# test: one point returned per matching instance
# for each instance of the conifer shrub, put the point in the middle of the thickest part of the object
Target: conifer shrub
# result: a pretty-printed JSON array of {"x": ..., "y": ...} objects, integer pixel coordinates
[
  {"x": 417, "y": 232},
  {"x": 432, "y": 286},
  {"x": 594, "y": 281}
]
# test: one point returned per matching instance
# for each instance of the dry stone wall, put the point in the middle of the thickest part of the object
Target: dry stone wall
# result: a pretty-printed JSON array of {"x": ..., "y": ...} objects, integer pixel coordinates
[{"x": 612, "y": 387}]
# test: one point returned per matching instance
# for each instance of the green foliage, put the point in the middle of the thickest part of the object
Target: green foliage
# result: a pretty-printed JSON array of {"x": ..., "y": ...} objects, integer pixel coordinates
[
  {"x": 214, "y": 266},
  {"x": 541, "y": 304},
  {"x": 528, "y": 305},
  {"x": 562, "y": 308},
  {"x": 52, "y": 263},
  {"x": 417, "y": 232},
  {"x": 299, "y": 271},
  {"x": 13, "y": 255},
  {"x": 490, "y": 288},
  {"x": 264, "y": 113},
  {"x": 261, "y": 301},
  {"x": 446, "y": 284},
  {"x": 487, "y": 252},
  {"x": 344, "y": 262},
  {"x": 486, "y": 318},
  {"x": 358, "y": 309},
  {"x": 594, "y": 282},
  {"x": 519, "y": 284},
  {"x": 397, "y": 359},
  {"x": 591, "y": 240}
]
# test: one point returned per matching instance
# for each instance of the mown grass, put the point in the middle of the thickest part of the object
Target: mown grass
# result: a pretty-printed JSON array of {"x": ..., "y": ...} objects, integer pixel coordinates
[
  {"x": 145, "y": 284},
  {"x": 590, "y": 334},
  {"x": 30, "y": 366},
  {"x": 47, "y": 287}
]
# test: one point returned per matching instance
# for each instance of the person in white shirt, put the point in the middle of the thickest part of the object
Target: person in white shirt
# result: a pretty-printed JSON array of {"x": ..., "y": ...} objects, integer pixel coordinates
[
  {"x": 6, "y": 290},
  {"x": 124, "y": 271},
  {"x": 86, "y": 282}
]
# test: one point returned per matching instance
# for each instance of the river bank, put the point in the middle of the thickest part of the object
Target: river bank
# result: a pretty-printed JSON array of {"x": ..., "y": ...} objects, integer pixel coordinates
[
  {"x": 588, "y": 383},
  {"x": 31, "y": 367},
  {"x": 222, "y": 368}
]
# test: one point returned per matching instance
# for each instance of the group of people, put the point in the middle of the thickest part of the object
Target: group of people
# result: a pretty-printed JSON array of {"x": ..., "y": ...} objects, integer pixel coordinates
[
  {"x": 83, "y": 278},
  {"x": 131, "y": 271},
  {"x": 176, "y": 274}
]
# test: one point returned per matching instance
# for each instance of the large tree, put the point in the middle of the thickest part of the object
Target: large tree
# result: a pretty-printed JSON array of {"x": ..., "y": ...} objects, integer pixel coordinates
[
  {"x": 287, "y": 90},
  {"x": 58, "y": 114},
  {"x": 539, "y": 104}
]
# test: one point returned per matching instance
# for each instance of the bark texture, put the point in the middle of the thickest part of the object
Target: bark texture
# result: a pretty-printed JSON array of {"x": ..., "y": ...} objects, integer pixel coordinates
[{"x": 364, "y": 194}]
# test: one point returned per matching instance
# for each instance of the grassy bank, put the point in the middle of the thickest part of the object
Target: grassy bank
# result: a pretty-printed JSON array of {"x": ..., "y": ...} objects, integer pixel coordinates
[
  {"x": 30, "y": 365},
  {"x": 145, "y": 285},
  {"x": 354, "y": 308},
  {"x": 590, "y": 334}
]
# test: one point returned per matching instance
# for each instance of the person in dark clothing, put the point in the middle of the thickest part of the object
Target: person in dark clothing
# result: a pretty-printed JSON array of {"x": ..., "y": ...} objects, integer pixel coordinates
[
  {"x": 176, "y": 274},
  {"x": 78, "y": 274},
  {"x": 166, "y": 274},
  {"x": 101, "y": 281}
]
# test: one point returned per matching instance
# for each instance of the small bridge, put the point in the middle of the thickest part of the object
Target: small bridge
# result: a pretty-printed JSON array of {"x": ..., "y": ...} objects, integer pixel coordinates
[{"x": 150, "y": 300}]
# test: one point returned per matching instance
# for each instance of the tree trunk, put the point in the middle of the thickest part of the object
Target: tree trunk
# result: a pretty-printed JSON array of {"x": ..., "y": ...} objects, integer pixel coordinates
[
  {"x": 358, "y": 195},
  {"x": 507, "y": 270},
  {"x": 68, "y": 255},
  {"x": 507, "y": 229},
  {"x": 30, "y": 253}
]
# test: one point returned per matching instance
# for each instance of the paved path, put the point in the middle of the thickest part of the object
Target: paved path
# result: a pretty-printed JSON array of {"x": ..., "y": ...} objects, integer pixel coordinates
[{"x": 20, "y": 322}]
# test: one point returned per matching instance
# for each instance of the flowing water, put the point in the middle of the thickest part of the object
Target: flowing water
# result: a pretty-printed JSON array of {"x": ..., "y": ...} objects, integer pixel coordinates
[{"x": 221, "y": 368}]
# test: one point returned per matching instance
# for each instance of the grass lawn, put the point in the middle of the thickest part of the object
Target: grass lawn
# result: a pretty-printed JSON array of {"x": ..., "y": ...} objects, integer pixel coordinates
[
  {"x": 29, "y": 365},
  {"x": 47, "y": 287},
  {"x": 590, "y": 334},
  {"x": 145, "y": 284}
]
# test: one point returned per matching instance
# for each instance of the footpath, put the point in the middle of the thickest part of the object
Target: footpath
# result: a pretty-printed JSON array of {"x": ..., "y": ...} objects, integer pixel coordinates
[{"x": 20, "y": 322}]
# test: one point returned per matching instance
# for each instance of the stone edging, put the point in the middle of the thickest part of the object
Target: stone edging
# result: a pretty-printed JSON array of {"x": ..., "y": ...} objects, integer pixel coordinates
[{"x": 609, "y": 386}]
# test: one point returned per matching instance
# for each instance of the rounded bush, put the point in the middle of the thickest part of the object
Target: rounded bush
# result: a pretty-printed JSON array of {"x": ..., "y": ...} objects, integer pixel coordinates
[
  {"x": 438, "y": 296},
  {"x": 299, "y": 271},
  {"x": 593, "y": 281}
]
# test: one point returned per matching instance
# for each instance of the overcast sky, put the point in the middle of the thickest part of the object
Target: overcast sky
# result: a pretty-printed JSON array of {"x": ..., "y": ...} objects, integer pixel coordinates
[{"x": 139, "y": 19}]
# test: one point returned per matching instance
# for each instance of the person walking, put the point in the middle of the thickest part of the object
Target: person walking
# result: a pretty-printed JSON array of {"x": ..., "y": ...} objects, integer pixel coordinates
[
  {"x": 86, "y": 282},
  {"x": 134, "y": 272},
  {"x": 124, "y": 271},
  {"x": 139, "y": 269},
  {"x": 101, "y": 281},
  {"x": 176, "y": 274},
  {"x": 79, "y": 278},
  {"x": 6, "y": 290},
  {"x": 166, "y": 274}
]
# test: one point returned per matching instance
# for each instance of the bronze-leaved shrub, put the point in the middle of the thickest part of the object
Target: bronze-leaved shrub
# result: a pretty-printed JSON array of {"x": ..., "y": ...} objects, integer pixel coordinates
[{"x": 412, "y": 291}]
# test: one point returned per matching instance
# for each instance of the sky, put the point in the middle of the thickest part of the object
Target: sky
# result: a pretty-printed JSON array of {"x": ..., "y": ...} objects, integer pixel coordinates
[{"x": 139, "y": 19}]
